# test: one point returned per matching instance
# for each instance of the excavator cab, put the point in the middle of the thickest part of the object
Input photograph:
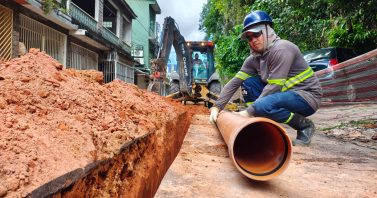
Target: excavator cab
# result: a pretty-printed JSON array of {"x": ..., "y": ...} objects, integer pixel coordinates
[
  {"x": 206, "y": 83},
  {"x": 202, "y": 60}
]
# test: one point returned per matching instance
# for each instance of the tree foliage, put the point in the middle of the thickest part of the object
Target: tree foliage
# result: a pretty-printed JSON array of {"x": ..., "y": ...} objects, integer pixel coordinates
[{"x": 309, "y": 24}]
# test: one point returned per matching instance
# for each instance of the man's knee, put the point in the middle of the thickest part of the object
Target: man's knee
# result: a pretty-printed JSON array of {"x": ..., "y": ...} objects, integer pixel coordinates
[{"x": 262, "y": 108}]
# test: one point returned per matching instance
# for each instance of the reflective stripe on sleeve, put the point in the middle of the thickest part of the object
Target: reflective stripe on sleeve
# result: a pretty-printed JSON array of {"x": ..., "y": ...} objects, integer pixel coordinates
[
  {"x": 242, "y": 75},
  {"x": 297, "y": 79}
]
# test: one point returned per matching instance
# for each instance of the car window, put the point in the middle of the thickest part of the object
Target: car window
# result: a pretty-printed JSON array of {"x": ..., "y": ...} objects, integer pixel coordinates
[
  {"x": 318, "y": 67},
  {"x": 348, "y": 54},
  {"x": 318, "y": 54}
]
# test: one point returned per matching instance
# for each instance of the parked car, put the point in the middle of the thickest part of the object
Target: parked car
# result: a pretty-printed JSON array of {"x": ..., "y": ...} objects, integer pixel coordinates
[{"x": 324, "y": 58}]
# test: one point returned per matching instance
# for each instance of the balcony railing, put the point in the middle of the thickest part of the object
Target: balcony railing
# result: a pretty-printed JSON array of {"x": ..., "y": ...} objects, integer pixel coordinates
[
  {"x": 89, "y": 22},
  {"x": 126, "y": 47},
  {"x": 109, "y": 35},
  {"x": 84, "y": 18}
]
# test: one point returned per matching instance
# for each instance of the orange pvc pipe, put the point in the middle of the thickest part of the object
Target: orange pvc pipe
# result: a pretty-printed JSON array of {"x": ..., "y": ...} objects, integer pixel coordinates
[{"x": 259, "y": 147}]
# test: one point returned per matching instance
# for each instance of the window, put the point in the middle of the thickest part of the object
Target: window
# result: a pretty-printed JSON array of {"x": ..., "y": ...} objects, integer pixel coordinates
[
  {"x": 89, "y": 8},
  {"x": 126, "y": 31},
  {"x": 110, "y": 17}
]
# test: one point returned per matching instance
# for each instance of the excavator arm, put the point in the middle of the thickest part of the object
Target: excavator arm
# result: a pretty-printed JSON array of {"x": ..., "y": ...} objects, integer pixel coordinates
[{"x": 171, "y": 36}]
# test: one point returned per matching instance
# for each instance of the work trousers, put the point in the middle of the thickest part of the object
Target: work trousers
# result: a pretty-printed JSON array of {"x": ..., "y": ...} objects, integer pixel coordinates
[{"x": 279, "y": 106}]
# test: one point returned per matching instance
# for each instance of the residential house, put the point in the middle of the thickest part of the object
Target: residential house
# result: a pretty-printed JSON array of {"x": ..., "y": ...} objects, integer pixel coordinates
[
  {"x": 144, "y": 36},
  {"x": 80, "y": 34}
]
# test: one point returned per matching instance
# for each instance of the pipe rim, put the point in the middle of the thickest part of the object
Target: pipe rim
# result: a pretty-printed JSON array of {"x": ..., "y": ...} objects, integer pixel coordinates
[
  {"x": 287, "y": 155},
  {"x": 283, "y": 161}
]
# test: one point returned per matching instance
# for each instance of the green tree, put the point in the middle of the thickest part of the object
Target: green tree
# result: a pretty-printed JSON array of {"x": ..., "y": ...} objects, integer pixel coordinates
[
  {"x": 309, "y": 24},
  {"x": 221, "y": 20},
  {"x": 354, "y": 24}
]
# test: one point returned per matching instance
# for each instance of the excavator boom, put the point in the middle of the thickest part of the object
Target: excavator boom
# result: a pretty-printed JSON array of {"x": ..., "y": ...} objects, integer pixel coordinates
[
  {"x": 171, "y": 36},
  {"x": 183, "y": 85}
]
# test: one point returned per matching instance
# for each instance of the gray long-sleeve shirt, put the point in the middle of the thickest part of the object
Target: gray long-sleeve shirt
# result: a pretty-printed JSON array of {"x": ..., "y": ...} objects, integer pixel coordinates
[{"x": 283, "y": 61}]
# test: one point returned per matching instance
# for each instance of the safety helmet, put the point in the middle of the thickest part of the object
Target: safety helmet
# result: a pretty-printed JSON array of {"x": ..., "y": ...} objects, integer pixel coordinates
[{"x": 256, "y": 17}]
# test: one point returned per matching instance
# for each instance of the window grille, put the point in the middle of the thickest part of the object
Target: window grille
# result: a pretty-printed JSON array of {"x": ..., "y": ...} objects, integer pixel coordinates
[
  {"x": 81, "y": 58},
  {"x": 37, "y": 35}
]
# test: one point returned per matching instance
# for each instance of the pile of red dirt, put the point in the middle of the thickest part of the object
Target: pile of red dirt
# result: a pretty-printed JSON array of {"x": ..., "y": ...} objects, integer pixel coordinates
[{"x": 55, "y": 120}]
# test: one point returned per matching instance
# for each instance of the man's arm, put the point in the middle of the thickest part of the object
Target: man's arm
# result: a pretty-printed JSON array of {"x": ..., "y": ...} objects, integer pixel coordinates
[
  {"x": 232, "y": 86},
  {"x": 227, "y": 92}
]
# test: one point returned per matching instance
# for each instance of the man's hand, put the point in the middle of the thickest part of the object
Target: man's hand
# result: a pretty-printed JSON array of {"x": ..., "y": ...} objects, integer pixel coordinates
[
  {"x": 243, "y": 113},
  {"x": 214, "y": 114}
]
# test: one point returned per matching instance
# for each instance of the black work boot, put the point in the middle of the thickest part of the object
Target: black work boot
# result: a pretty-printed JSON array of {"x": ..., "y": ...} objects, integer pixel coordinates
[{"x": 305, "y": 129}]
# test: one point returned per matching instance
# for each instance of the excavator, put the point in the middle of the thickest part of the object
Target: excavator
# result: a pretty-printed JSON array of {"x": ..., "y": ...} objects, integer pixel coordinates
[{"x": 191, "y": 81}]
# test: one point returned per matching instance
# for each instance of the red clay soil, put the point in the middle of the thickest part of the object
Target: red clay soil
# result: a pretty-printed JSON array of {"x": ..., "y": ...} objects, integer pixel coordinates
[{"x": 55, "y": 121}]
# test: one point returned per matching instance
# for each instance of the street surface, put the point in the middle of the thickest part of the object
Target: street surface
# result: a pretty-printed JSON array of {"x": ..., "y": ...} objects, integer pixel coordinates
[{"x": 333, "y": 166}]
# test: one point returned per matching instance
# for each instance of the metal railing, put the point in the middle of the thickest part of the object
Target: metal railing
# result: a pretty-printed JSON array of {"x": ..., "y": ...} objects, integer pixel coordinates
[
  {"x": 125, "y": 73},
  {"x": 125, "y": 46},
  {"x": 88, "y": 21},
  {"x": 37, "y": 35},
  {"x": 109, "y": 35},
  {"x": 84, "y": 18},
  {"x": 81, "y": 58},
  {"x": 108, "y": 69}
]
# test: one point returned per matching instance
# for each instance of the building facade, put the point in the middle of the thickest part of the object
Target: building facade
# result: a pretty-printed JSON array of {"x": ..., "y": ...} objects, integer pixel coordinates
[
  {"x": 79, "y": 34},
  {"x": 144, "y": 36}
]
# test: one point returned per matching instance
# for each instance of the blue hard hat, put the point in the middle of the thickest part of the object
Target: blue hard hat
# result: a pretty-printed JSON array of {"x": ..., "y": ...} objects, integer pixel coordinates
[{"x": 256, "y": 17}]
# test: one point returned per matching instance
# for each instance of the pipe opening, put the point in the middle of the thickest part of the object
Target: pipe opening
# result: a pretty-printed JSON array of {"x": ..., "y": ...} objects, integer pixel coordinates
[{"x": 260, "y": 148}]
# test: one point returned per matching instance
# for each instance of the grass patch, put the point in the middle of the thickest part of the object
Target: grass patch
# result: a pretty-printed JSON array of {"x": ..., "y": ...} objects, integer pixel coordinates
[{"x": 366, "y": 123}]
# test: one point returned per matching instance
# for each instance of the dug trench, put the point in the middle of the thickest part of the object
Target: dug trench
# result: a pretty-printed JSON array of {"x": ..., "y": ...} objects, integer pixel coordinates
[
  {"x": 135, "y": 171},
  {"x": 64, "y": 133}
]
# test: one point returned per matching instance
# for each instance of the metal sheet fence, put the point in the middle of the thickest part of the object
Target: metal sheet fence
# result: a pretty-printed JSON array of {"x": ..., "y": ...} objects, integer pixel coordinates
[{"x": 354, "y": 80}]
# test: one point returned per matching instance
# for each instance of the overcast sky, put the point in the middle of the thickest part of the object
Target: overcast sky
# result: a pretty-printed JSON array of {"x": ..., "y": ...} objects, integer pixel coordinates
[{"x": 186, "y": 14}]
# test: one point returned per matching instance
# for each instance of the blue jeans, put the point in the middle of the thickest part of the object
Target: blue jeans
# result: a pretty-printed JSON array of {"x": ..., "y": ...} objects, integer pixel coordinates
[{"x": 277, "y": 106}]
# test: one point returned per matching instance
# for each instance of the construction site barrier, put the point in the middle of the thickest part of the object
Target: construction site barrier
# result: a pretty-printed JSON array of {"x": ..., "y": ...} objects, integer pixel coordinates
[
  {"x": 354, "y": 80},
  {"x": 259, "y": 147}
]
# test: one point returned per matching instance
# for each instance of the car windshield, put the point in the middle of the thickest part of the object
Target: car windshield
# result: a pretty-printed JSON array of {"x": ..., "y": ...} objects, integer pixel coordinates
[{"x": 317, "y": 54}]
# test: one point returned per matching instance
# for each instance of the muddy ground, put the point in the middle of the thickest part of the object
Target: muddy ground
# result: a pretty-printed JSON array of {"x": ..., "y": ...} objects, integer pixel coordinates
[{"x": 341, "y": 161}]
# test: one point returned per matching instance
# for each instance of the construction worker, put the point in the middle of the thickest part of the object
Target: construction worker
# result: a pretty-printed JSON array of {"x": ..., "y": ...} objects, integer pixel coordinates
[
  {"x": 197, "y": 63},
  {"x": 276, "y": 81}
]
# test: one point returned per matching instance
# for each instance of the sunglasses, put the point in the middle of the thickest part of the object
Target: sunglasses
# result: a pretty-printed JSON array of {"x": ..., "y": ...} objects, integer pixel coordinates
[{"x": 253, "y": 35}]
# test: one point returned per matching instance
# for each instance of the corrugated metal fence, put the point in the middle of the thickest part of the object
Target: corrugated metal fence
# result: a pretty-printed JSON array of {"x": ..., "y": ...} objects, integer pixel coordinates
[{"x": 354, "y": 80}]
